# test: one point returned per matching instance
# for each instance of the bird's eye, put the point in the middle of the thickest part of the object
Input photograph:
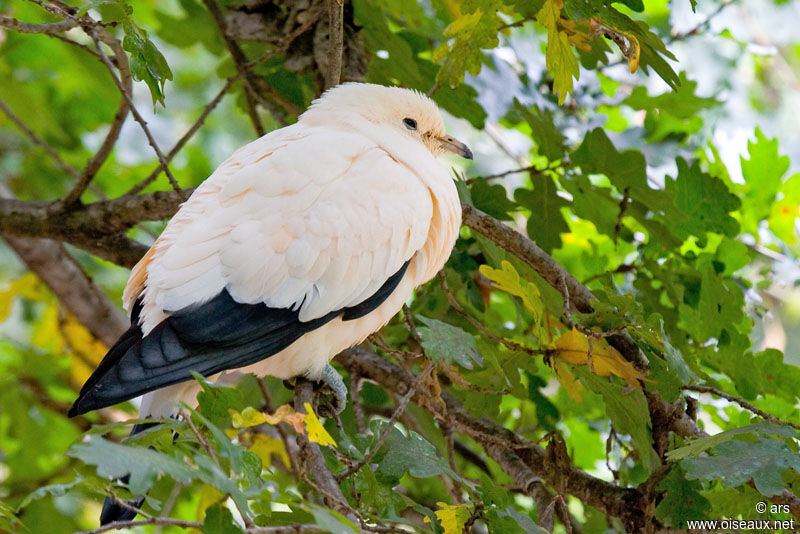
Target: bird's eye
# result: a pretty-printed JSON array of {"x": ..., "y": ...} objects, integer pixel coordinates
[{"x": 410, "y": 123}]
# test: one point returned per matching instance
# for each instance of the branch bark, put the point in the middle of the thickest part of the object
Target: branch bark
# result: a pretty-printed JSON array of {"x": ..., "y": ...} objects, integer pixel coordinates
[
  {"x": 311, "y": 463},
  {"x": 333, "y": 73},
  {"x": 44, "y": 27}
]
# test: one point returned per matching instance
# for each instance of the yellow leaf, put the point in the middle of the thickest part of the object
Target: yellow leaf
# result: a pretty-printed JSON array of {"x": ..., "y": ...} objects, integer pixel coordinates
[
  {"x": 265, "y": 447},
  {"x": 568, "y": 380},
  {"x": 27, "y": 286},
  {"x": 507, "y": 279},
  {"x": 316, "y": 432},
  {"x": 86, "y": 351},
  {"x": 287, "y": 414},
  {"x": 249, "y": 417},
  {"x": 208, "y": 496},
  {"x": 561, "y": 62},
  {"x": 452, "y": 518},
  {"x": 46, "y": 332},
  {"x": 573, "y": 347}
]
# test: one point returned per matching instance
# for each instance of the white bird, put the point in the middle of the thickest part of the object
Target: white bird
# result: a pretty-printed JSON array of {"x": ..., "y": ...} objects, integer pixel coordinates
[{"x": 297, "y": 247}]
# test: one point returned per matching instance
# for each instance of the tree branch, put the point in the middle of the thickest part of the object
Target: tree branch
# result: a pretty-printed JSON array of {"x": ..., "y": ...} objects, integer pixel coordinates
[
  {"x": 63, "y": 275},
  {"x": 311, "y": 463},
  {"x": 333, "y": 73},
  {"x": 136, "y": 115},
  {"x": 44, "y": 27},
  {"x": 96, "y": 161},
  {"x": 95, "y": 227},
  {"x": 499, "y": 441},
  {"x": 37, "y": 140},
  {"x": 240, "y": 60}
]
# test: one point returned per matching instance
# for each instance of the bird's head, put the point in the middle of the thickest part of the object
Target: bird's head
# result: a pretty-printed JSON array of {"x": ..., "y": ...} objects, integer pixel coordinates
[{"x": 408, "y": 112}]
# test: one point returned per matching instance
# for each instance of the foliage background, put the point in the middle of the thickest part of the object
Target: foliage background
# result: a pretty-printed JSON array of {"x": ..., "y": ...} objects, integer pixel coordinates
[{"x": 669, "y": 192}]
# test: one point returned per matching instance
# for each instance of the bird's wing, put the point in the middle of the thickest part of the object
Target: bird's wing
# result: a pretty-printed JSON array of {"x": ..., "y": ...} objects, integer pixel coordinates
[{"x": 319, "y": 227}]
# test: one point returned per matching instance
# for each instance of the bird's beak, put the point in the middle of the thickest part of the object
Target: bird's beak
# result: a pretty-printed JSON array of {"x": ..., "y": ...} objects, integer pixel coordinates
[{"x": 452, "y": 145}]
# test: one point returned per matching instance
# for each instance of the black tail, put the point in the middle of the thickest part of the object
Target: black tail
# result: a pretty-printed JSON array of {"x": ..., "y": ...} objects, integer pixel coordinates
[{"x": 114, "y": 512}]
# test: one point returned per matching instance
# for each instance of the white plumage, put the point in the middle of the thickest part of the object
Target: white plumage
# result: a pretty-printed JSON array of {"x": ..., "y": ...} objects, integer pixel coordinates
[{"x": 314, "y": 217}]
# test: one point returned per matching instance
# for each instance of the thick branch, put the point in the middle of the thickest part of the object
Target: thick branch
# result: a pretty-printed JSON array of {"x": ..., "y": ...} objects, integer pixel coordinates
[
  {"x": 527, "y": 251},
  {"x": 333, "y": 73},
  {"x": 45, "y": 27},
  {"x": 74, "y": 289},
  {"x": 310, "y": 460}
]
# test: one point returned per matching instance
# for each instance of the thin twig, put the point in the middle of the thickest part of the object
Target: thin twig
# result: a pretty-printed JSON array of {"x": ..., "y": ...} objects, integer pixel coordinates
[
  {"x": 533, "y": 169},
  {"x": 623, "y": 206},
  {"x": 186, "y": 136},
  {"x": 702, "y": 24},
  {"x": 240, "y": 60},
  {"x": 96, "y": 161},
  {"x": 507, "y": 343},
  {"x": 333, "y": 73},
  {"x": 38, "y": 140},
  {"x": 588, "y": 332},
  {"x": 75, "y": 43},
  {"x": 201, "y": 438},
  {"x": 136, "y": 115},
  {"x": 741, "y": 402},
  {"x": 119, "y": 525},
  {"x": 401, "y": 407}
]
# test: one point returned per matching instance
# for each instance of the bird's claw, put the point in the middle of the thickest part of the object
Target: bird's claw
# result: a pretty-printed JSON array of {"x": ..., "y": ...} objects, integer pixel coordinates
[{"x": 332, "y": 379}]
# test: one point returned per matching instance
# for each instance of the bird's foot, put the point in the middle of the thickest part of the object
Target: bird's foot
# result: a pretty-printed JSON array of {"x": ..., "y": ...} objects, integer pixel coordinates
[{"x": 331, "y": 379}]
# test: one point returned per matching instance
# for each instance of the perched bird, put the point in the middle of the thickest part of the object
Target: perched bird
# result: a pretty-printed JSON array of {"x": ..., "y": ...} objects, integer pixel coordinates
[{"x": 297, "y": 247}]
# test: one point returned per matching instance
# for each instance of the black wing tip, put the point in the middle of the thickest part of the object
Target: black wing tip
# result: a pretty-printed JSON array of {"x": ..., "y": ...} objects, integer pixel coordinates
[
  {"x": 84, "y": 403},
  {"x": 74, "y": 410}
]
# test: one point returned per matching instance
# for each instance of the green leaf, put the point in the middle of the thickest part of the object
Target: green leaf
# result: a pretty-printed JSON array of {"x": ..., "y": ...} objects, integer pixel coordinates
[
  {"x": 626, "y": 170},
  {"x": 653, "y": 52},
  {"x": 561, "y": 61},
  {"x": 413, "y": 455},
  {"x": 784, "y": 213},
  {"x": 704, "y": 203},
  {"x": 549, "y": 140},
  {"x": 718, "y": 308},
  {"x": 333, "y": 521},
  {"x": 681, "y": 103},
  {"x": 472, "y": 31},
  {"x": 628, "y": 413},
  {"x": 56, "y": 490},
  {"x": 682, "y": 499},
  {"x": 114, "y": 460},
  {"x": 546, "y": 222},
  {"x": 448, "y": 343},
  {"x": 763, "y": 176},
  {"x": 147, "y": 63},
  {"x": 216, "y": 401},
  {"x": 702, "y": 444},
  {"x": 492, "y": 199},
  {"x": 737, "y": 462},
  {"x": 219, "y": 520},
  {"x": 524, "y": 522}
]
